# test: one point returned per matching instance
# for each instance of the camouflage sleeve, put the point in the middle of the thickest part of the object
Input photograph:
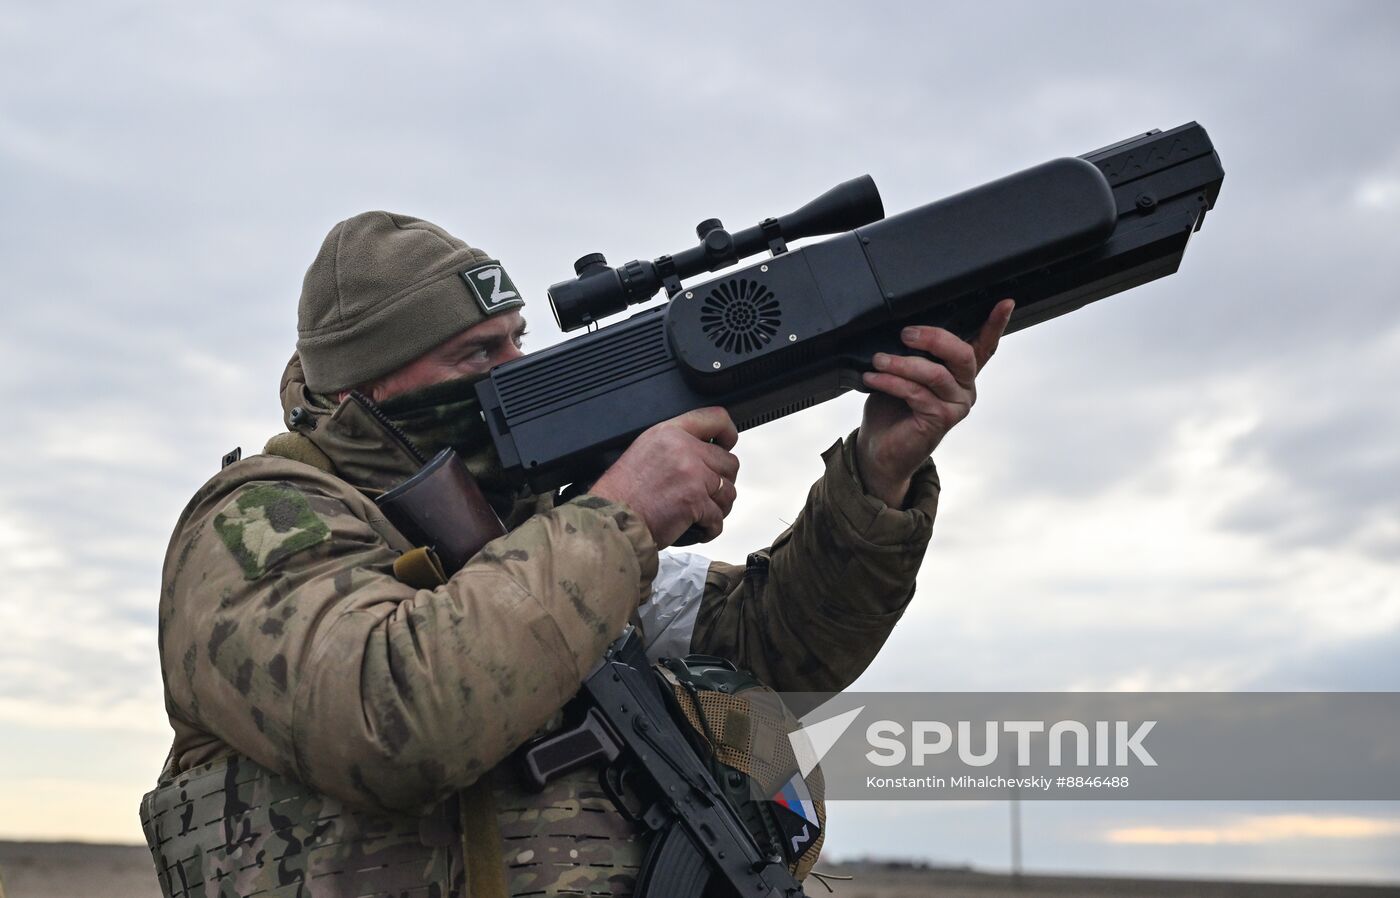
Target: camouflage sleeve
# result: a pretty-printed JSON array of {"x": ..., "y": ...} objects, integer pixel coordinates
[
  {"x": 285, "y": 634},
  {"x": 810, "y": 612}
]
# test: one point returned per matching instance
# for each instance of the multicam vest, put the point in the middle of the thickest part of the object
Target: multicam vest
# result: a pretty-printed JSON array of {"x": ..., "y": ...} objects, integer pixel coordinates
[{"x": 233, "y": 827}]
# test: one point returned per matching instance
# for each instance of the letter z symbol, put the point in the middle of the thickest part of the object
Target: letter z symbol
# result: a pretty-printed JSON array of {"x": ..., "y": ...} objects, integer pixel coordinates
[{"x": 498, "y": 295}]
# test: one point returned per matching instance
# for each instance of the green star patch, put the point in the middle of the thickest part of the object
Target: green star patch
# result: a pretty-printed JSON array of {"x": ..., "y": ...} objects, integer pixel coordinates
[{"x": 266, "y": 523}]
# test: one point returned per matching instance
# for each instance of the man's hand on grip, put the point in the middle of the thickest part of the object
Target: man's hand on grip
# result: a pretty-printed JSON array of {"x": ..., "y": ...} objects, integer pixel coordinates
[
  {"x": 678, "y": 473},
  {"x": 915, "y": 401}
]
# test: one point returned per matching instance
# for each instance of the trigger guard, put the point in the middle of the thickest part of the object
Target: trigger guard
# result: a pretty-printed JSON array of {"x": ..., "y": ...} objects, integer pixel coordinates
[{"x": 612, "y": 780}]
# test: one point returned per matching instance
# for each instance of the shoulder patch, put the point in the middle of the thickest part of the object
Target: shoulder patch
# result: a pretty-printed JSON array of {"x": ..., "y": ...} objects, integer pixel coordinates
[{"x": 266, "y": 523}]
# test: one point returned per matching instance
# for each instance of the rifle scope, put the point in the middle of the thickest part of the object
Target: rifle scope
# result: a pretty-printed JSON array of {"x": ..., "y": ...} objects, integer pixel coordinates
[{"x": 599, "y": 291}]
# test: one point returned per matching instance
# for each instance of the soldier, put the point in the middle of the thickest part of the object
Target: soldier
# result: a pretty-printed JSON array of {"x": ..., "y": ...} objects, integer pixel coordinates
[{"x": 339, "y": 731}]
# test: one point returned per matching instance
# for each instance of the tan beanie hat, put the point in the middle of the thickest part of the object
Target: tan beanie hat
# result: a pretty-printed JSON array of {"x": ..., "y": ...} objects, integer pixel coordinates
[{"x": 385, "y": 289}]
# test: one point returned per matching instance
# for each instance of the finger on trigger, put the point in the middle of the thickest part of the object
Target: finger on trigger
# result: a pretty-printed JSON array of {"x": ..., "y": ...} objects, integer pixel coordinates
[
  {"x": 710, "y": 424},
  {"x": 989, "y": 337}
]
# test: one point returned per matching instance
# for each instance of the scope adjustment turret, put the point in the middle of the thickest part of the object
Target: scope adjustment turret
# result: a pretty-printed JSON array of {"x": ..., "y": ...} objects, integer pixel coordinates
[{"x": 590, "y": 262}]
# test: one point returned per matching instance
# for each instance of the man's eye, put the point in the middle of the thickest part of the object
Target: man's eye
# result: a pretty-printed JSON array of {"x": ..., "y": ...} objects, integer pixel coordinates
[{"x": 520, "y": 339}]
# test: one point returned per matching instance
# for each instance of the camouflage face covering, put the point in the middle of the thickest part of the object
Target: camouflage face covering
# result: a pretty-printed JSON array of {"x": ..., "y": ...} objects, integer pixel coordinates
[{"x": 448, "y": 414}]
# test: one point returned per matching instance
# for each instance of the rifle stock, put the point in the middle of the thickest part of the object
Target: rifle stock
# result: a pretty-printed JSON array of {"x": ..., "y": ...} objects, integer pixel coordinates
[{"x": 442, "y": 508}]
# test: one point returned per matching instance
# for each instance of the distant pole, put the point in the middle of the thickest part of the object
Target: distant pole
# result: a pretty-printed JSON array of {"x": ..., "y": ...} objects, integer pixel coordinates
[
  {"x": 1015, "y": 829},
  {"x": 1015, "y": 837}
]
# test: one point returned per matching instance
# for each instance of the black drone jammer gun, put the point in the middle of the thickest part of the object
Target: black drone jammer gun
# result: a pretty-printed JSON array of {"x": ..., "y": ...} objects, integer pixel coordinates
[{"x": 800, "y": 327}]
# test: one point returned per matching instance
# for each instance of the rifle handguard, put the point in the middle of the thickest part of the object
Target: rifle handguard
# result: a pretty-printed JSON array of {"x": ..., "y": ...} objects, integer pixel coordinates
[{"x": 442, "y": 507}]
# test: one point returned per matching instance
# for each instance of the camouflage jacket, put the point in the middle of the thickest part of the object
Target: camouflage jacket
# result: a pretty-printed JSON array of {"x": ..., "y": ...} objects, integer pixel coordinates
[{"x": 327, "y": 716}]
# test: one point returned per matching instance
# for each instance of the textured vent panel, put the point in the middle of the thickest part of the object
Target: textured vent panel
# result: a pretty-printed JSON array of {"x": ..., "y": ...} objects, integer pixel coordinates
[
  {"x": 740, "y": 316},
  {"x": 618, "y": 355},
  {"x": 775, "y": 414}
]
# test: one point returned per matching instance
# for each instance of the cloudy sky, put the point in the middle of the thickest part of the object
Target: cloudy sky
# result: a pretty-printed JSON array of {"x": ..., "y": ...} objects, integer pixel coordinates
[{"x": 1189, "y": 486}]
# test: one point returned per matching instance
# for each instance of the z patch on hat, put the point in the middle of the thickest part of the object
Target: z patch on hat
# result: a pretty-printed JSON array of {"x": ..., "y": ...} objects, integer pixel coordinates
[{"x": 492, "y": 287}]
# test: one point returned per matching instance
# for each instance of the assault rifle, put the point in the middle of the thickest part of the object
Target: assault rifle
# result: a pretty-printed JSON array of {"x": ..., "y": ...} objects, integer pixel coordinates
[
  {"x": 784, "y": 334},
  {"x": 653, "y": 775}
]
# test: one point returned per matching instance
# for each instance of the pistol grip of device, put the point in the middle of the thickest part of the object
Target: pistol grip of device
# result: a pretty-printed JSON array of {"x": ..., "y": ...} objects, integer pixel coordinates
[
  {"x": 860, "y": 359},
  {"x": 692, "y": 535},
  {"x": 591, "y": 742}
]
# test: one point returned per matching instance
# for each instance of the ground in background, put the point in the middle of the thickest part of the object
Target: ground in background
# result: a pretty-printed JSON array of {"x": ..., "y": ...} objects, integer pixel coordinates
[{"x": 69, "y": 870}]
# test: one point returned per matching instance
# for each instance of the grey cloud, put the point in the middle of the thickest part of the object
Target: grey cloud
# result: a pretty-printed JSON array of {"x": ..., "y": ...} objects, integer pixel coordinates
[
  {"x": 1335, "y": 452},
  {"x": 1365, "y": 664}
]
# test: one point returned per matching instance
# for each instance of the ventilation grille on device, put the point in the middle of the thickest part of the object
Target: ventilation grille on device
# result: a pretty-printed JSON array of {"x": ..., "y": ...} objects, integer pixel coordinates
[
  {"x": 775, "y": 414},
  {"x": 740, "y": 316},
  {"x": 600, "y": 362}
]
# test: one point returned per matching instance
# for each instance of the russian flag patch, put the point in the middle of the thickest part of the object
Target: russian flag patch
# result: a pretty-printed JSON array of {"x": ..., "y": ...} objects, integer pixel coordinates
[{"x": 796, "y": 815}]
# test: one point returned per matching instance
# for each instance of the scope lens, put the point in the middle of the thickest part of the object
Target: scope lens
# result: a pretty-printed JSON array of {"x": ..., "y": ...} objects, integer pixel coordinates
[{"x": 579, "y": 302}]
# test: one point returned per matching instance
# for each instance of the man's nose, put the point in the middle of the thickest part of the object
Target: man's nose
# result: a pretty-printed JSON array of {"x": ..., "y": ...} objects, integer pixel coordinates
[{"x": 511, "y": 352}]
